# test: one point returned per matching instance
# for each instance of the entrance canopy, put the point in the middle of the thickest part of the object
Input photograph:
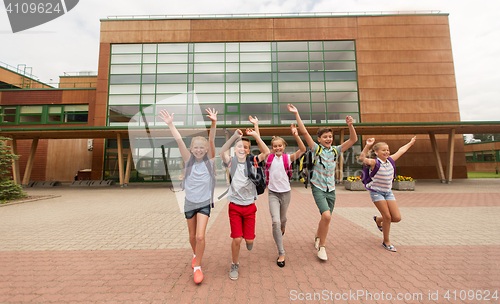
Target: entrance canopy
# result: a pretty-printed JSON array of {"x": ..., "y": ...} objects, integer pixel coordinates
[{"x": 120, "y": 132}]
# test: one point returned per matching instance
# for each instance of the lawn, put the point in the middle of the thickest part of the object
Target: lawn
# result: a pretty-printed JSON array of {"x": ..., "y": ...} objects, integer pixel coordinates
[{"x": 482, "y": 175}]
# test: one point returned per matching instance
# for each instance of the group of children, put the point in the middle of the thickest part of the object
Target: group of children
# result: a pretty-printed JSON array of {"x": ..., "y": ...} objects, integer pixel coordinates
[{"x": 242, "y": 193}]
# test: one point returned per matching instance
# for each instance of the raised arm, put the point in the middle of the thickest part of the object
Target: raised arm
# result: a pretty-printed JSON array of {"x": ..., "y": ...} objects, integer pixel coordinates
[
  {"x": 403, "y": 149},
  {"x": 212, "y": 114},
  {"x": 353, "y": 137},
  {"x": 264, "y": 150},
  {"x": 302, "y": 147},
  {"x": 169, "y": 120},
  {"x": 222, "y": 152},
  {"x": 363, "y": 156},
  {"x": 310, "y": 142},
  {"x": 255, "y": 122}
]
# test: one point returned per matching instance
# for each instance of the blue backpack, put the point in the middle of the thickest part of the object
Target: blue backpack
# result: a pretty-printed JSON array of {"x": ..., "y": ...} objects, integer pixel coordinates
[{"x": 367, "y": 176}]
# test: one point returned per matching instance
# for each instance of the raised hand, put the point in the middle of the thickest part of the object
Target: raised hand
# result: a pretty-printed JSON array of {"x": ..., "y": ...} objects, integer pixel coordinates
[
  {"x": 370, "y": 141},
  {"x": 292, "y": 108},
  {"x": 413, "y": 139},
  {"x": 349, "y": 120},
  {"x": 238, "y": 133},
  {"x": 166, "y": 117},
  {"x": 253, "y": 120},
  {"x": 212, "y": 114},
  {"x": 293, "y": 128},
  {"x": 251, "y": 132}
]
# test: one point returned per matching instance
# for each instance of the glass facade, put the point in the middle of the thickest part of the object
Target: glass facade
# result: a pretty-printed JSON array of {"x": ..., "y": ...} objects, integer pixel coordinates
[
  {"x": 44, "y": 114},
  {"x": 238, "y": 79}
]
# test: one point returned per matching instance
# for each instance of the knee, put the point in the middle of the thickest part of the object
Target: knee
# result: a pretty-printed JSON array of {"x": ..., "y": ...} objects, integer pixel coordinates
[
  {"x": 276, "y": 224},
  {"x": 387, "y": 217},
  {"x": 200, "y": 238},
  {"x": 326, "y": 217},
  {"x": 237, "y": 241},
  {"x": 396, "y": 219}
]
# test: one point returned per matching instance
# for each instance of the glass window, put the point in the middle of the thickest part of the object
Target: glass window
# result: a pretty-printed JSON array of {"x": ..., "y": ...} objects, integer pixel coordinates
[
  {"x": 293, "y": 86},
  {"x": 232, "y": 98},
  {"x": 149, "y": 69},
  {"x": 342, "y": 107},
  {"x": 232, "y": 47},
  {"x": 255, "y": 108},
  {"x": 232, "y": 87},
  {"x": 340, "y": 75},
  {"x": 148, "y": 89},
  {"x": 210, "y": 98},
  {"x": 124, "y": 99},
  {"x": 255, "y": 57},
  {"x": 255, "y": 46},
  {"x": 149, "y": 58},
  {"x": 173, "y": 48},
  {"x": 256, "y": 87},
  {"x": 172, "y": 68},
  {"x": 149, "y": 48},
  {"x": 209, "y": 78},
  {"x": 208, "y": 87},
  {"x": 208, "y": 47},
  {"x": 340, "y": 66},
  {"x": 293, "y": 66},
  {"x": 339, "y": 45},
  {"x": 293, "y": 97},
  {"x": 256, "y": 97},
  {"x": 292, "y": 56},
  {"x": 31, "y": 109},
  {"x": 124, "y": 89},
  {"x": 54, "y": 114},
  {"x": 232, "y": 67},
  {"x": 488, "y": 156},
  {"x": 172, "y": 58},
  {"x": 293, "y": 76},
  {"x": 316, "y": 56},
  {"x": 171, "y": 78},
  {"x": 232, "y": 57},
  {"x": 469, "y": 157},
  {"x": 117, "y": 59},
  {"x": 292, "y": 46},
  {"x": 126, "y": 48},
  {"x": 125, "y": 69},
  {"x": 209, "y": 67},
  {"x": 171, "y": 88},
  {"x": 342, "y": 86},
  {"x": 149, "y": 79},
  {"x": 317, "y": 86},
  {"x": 342, "y": 96},
  {"x": 213, "y": 57},
  {"x": 232, "y": 108},
  {"x": 123, "y": 110},
  {"x": 302, "y": 107},
  {"x": 76, "y": 113},
  {"x": 250, "y": 77},
  {"x": 9, "y": 114},
  {"x": 114, "y": 79},
  {"x": 479, "y": 156},
  {"x": 255, "y": 67},
  {"x": 338, "y": 55}
]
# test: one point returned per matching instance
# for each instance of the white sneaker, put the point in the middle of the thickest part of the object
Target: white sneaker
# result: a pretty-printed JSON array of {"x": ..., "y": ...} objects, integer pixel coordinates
[
  {"x": 322, "y": 253},
  {"x": 316, "y": 243}
]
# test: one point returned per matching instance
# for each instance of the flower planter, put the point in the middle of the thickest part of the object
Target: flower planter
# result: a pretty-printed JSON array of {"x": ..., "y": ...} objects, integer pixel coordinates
[
  {"x": 354, "y": 186},
  {"x": 403, "y": 185}
]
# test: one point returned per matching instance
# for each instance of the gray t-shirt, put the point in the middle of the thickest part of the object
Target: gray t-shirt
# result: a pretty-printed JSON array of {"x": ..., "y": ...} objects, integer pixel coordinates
[
  {"x": 198, "y": 186},
  {"x": 242, "y": 191}
]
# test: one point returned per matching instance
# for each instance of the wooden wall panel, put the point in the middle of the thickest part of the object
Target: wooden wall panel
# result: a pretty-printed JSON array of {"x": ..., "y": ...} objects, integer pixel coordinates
[
  {"x": 404, "y": 31},
  {"x": 483, "y": 146},
  {"x": 403, "y": 20},
  {"x": 409, "y": 106},
  {"x": 35, "y": 97},
  {"x": 407, "y": 44},
  {"x": 145, "y": 36},
  {"x": 144, "y": 25},
  {"x": 407, "y": 81},
  {"x": 78, "y": 96},
  {"x": 315, "y": 34},
  {"x": 98, "y": 159},
  {"x": 410, "y": 117},
  {"x": 232, "y": 35},
  {"x": 393, "y": 56},
  {"x": 313, "y": 23},
  {"x": 77, "y": 82},
  {"x": 406, "y": 68},
  {"x": 65, "y": 158},
  {"x": 39, "y": 162},
  {"x": 481, "y": 167},
  {"x": 230, "y": 24},
  {"x": 436, "y": 94}
]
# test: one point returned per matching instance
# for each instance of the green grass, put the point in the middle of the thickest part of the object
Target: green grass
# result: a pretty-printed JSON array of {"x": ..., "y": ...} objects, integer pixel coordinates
[{"x": 482, "y": 175}]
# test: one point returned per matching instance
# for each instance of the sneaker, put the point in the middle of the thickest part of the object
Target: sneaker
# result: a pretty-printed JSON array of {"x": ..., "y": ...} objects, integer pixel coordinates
[
  {"x": 322, "y": 253},
  {"x": 316, "y": 243},
  {"x": 233, "y": 273},
  {"x": 198, "y": 276},
  {"x": 249, "y": 246},
  {"x": 193, "y": 262},
  {"x": 389, "y": 247}
]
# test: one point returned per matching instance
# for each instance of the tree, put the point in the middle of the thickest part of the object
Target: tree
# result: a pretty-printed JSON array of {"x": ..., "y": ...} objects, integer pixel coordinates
[
  {"x": 487, "y": 137},
  {"x": 8, "y": 189}
]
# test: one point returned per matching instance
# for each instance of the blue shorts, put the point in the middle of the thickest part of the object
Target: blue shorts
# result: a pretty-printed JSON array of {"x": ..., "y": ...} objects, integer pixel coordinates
[
  {"x": 203, "y": 210},
  {"x": 382, "y": 196}
]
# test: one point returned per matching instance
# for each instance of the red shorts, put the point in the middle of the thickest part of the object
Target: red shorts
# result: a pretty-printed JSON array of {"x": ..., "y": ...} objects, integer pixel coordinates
[{"x": 242, "y": 221}]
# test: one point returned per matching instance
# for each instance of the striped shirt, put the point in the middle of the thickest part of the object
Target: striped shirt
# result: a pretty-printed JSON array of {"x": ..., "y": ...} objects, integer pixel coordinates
[
  {"x": 324, "y": 177},
  {"x": 382, "y": 181}
]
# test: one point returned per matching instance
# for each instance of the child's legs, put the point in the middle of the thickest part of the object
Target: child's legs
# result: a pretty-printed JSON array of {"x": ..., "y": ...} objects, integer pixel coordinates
[
  {"x": 235, "y": 249},
  {"x": 192, "y": 232},
  {"x": 285, "y": 202},
  {"x": 248, "y": 226},
  {"x": 275, "y": 210},
  {"x": 236, "y": 222},
  {"x": 386, "y": 208},
  {"x": 325, "y": 202},
  {"x": 201, "y": 226}
]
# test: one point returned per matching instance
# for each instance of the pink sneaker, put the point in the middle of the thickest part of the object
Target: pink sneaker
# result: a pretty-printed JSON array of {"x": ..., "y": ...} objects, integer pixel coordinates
[{"x": 198, "y": 276}]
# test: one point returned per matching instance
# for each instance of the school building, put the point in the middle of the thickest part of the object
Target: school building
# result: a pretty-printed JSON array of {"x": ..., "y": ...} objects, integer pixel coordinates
[{"x": 393, "y": 73}]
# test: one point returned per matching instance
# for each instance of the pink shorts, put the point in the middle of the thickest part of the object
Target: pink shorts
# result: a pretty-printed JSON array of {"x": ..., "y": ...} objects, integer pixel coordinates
[{"x": 242, "y": 221}]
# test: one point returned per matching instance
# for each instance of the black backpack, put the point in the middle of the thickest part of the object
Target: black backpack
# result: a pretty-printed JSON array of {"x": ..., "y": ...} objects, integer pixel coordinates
[
  {"x": 254, "y": 172},
  {"x": 189, "y": 167},
  {"x": 307, "y": 162}
]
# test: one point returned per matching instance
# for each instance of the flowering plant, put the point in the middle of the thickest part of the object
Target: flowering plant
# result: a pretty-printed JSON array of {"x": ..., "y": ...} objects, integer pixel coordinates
[
  {"x": 354, "y": 178},
  {"x": 401, "y": 178}
]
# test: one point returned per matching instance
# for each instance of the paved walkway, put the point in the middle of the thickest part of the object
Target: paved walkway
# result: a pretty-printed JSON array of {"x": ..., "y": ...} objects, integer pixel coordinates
[{"x": 130, "y": 245}]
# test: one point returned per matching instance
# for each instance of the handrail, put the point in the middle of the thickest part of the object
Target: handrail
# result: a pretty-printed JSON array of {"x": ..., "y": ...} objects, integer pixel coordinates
[{"x": 268, "y": 15}]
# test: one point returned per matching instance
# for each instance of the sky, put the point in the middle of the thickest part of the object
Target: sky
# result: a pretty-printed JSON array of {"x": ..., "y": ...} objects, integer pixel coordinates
[{"x": 70, "y": 43}]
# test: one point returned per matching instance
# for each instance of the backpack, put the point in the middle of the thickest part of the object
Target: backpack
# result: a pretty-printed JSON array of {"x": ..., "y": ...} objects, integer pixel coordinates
[
  {"x": 367, "y": 176},
  {"x": 286, "y": 162},
  {"x": 254, "y": 172},
  {"x": 307, "y": 162},
  {"x": 189, "y": 167}
]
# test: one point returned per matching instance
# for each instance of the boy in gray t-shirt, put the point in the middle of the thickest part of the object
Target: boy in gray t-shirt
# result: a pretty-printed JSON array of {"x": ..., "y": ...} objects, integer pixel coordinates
[{"x": 242, "y": 193}]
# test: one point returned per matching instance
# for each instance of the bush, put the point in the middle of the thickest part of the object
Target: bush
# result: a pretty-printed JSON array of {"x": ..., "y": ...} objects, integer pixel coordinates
[{"x": 8, "y": 189}]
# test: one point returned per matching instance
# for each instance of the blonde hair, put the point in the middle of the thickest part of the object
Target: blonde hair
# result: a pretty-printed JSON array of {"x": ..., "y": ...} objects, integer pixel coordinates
[
  {"x": 201, "y": 138},
  {"x": 275, "y": 138},
  {"x": 376, "y": 147}
]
